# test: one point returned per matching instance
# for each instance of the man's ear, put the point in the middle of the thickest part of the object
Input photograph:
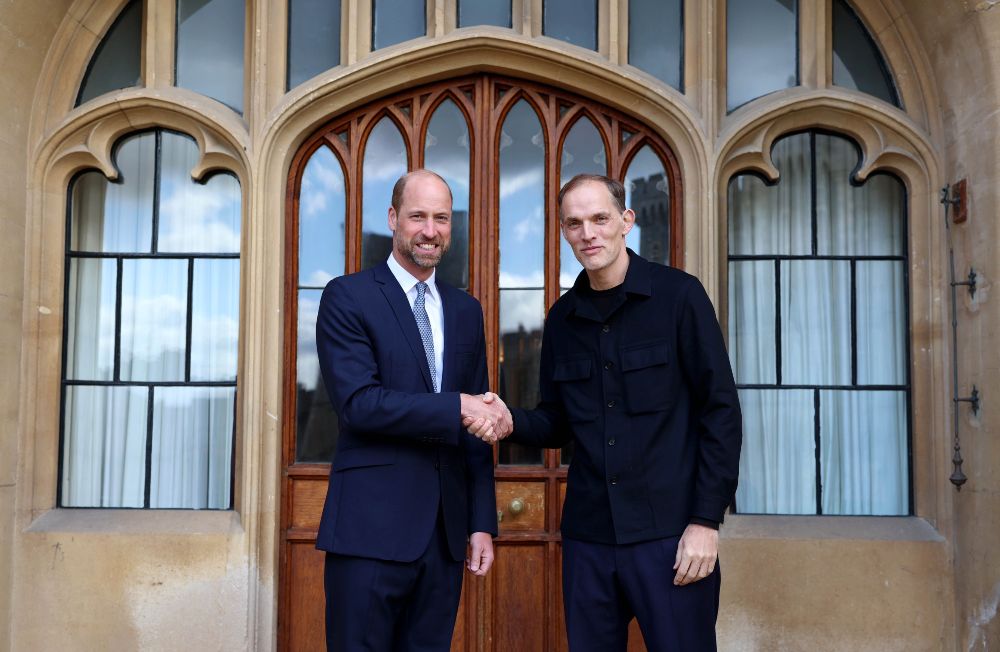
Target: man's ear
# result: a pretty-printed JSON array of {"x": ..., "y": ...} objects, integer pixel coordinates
[
  {"x": 393, "y": 218},
  {"x": 629, "y": 217}
]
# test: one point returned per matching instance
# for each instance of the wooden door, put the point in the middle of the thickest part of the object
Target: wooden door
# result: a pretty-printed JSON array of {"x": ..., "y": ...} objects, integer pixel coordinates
[{"x": 505, "y": 146}]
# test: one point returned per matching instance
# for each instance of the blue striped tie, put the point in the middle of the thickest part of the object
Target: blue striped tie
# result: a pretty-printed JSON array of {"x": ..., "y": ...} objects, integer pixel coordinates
[{"x": 424, "y": 326}]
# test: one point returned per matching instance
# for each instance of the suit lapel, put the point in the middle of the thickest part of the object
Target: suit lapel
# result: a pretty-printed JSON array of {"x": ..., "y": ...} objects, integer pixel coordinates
[{"x": 404, "y": 315}]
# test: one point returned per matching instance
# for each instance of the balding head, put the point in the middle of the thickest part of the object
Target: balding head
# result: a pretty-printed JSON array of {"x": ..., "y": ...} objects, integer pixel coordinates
[{"x": 400, "y": 187}]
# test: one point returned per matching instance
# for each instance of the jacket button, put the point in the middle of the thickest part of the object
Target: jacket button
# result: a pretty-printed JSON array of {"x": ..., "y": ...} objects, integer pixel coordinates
[
  {"x": 611, "y": 403},
  {"x": 606, "y": 328},
  {"x": 437, "y": 465},
  {"x": 613, "y": 479},
  {"x": 608, "y": 365},
  {"x": 611, "y": 442}
]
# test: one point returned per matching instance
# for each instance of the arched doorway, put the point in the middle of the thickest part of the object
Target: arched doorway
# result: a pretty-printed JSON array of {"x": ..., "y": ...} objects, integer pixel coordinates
[{"x": 505, "y": 146}]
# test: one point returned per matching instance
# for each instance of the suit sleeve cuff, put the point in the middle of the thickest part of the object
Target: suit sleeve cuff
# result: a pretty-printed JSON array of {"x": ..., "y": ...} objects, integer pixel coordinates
[{"x": 696, "y": 520}]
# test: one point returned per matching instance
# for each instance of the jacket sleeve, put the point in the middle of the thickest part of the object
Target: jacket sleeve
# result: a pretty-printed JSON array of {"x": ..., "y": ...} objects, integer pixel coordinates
[
  {"x": 546, "y": 426},
  {"x": 478, "y": 454},
  {"x": 350, "y": 372},
  {"x": 715, "y": 403}
]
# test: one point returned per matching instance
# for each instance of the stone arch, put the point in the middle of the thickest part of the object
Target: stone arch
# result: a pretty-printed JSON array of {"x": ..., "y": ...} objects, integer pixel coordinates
[{"x": 888, "y": 143}]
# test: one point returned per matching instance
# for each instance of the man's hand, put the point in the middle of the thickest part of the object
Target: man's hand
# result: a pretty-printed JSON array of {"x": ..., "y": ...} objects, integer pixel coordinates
[
  {"x": 486, "y": 417},
  {"x": 697, "y": 552},
  {"x": 480, "y": 553}
]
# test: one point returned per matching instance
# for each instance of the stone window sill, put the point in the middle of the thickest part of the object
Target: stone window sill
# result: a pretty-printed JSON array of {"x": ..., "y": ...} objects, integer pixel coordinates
[
  {"x": 138, "y": 521},
  {"x": 865, "y": 528}
]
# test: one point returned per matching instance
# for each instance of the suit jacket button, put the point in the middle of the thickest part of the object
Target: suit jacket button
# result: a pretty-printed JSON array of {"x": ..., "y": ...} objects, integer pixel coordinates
[{"x": 437, "y": 465}]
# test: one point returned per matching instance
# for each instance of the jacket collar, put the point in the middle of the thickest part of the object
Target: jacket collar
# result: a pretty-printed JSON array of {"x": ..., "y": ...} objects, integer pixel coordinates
[{"x": 638, "y": 282}]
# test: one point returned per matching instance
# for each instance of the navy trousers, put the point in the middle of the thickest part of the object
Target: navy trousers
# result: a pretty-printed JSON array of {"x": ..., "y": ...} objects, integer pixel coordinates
[
  {"x": 605, "y": 586},
  {"x": 383, "y": 606}
]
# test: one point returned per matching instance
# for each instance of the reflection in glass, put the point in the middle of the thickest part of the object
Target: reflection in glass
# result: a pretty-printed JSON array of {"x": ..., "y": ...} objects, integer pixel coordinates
[
  {"x": 656, "y": 38},
  {"x": 192, "y": 443},
  {"x": 116, "y": 63},
  {"x": 865, "y": 220},
  {"x": 522, "y": 271},
  {"x": 751, "y": 321},
  {"x": 215, "y": 319},
  {"x": 522, "y": 199},
  {"x": 857, "y": 62},
  {"x": 313, "y": 38},
  {"x": 395, "y": 21},
  {"x": 647, "y": 193},
  {"x": 582, "y": 152},
  {"x": 816, "y": 325},
  {"x": 117, "y": 216},
  {"x": 104, "y": 447},
  {"x": 522, "y": 313},
  {"x": 778, "y": 462},
  {"x": 573, "y": 21},
  {"x": 316, "y": 423},
  {"x": 881, "y": 322},
  {"x": 761, "y": 48},
  {"x": 210, "y": 49},
  {"x": 90, "y": 326},
  {"x": 484, "y": 12},
  {"x": 154, "y": 319},
  {"x": 446, "y": 151},
  {"x": 384, "y": 162},
  {"x": 774, "y": 220},
  {"x": 322, "y": 202},
  {"x": 863, "y": 452},
  {"x": 195, "y": 217}
]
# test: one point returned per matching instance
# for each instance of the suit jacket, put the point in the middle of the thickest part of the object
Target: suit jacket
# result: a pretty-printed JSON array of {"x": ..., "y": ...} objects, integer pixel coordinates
[{"x": 402, "y": 454}]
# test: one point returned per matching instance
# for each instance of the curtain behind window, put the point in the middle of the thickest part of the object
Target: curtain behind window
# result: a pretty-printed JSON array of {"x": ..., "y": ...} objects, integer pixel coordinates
[{"x": 817, "y": 330}]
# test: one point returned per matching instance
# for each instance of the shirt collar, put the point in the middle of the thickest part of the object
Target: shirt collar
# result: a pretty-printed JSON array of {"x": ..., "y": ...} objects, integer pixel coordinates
[
  {"x": 637, "y": 281},
  {"x": 408, "y": 281},
  {"x": 637, "y": 277}
]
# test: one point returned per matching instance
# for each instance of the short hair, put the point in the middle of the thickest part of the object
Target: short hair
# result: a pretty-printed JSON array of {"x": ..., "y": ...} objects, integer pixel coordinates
[
  {"x": 397, "y": 190},
  {"x": 615, "y": 188}
]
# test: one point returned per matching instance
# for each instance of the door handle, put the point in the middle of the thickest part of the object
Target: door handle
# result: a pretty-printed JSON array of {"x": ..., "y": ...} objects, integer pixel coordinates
[{"x": 516, "y": 506}]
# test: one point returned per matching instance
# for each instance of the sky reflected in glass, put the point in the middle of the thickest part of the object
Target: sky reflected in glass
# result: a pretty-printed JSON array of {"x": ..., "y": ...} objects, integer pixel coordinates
[{"x": 322, "y": 205}]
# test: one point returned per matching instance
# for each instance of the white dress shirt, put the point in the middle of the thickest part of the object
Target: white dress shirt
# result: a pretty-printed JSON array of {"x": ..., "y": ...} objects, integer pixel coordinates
[{"x": 432, "y": 303}]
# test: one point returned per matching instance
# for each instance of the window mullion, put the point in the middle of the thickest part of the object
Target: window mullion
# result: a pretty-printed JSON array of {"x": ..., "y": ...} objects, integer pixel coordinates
[
  {"x": 160, "y": 20},
  {"x": 149, "y": 448}
]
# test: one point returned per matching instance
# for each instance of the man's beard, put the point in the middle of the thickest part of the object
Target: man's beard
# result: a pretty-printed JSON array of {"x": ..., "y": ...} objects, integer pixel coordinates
[{"x": 420, "y": 259}]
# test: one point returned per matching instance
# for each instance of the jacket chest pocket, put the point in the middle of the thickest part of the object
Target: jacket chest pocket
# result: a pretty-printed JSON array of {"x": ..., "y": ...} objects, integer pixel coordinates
[
  {"x": 648, "y": 375},
  {"x": 574, "y": 381}
]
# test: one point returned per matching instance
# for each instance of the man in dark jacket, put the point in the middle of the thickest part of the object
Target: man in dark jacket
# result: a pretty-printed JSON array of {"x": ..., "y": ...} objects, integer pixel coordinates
[{"x": 634, "y": 371}]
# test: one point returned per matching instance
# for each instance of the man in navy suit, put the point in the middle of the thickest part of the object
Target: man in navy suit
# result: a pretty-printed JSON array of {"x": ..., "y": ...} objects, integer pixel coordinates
[{"x": 403, "y": 357}]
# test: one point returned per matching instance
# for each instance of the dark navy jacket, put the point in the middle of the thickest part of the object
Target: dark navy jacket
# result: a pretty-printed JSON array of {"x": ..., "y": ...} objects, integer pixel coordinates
[
  {"x": 648, "y": 398},
  {"x": 402, "y": 451}
]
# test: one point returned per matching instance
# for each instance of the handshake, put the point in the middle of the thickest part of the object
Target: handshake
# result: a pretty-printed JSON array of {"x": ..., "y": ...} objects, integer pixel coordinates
[{"x": 486, "y": 417}]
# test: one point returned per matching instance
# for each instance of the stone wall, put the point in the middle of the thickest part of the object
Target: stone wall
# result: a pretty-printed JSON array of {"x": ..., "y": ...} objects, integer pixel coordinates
[
  {"x": 963, "y": 44},
  {"x": 26, "y": 30}
]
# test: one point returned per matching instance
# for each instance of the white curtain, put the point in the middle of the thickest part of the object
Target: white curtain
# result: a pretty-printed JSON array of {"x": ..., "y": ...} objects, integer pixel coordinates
[
  {"x": 107, "y": 427},
  {"x": 862, "y": 432}
]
